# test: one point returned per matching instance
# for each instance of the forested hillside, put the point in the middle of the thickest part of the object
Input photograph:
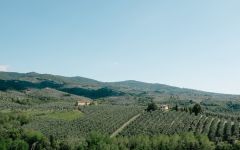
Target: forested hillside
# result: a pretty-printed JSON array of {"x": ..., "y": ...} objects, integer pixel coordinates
[{"x": 96, "y": 89}]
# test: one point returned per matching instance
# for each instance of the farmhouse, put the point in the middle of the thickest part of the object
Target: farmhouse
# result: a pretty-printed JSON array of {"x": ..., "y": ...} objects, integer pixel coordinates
[
  {"x": 83, "y": 103},
  {"x": 164, "y": 107}
]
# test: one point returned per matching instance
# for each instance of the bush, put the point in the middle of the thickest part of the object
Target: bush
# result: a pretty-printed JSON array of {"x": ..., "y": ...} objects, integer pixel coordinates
[
  {"x": 152, "y": 107},
  {"x": 19, "y": 145}
]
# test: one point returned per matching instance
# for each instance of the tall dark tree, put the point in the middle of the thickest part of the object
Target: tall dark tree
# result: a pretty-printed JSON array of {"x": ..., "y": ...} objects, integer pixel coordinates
[
  {"x": 197, "y": 109},
  {"x": 176, "y": 107},
  {"x": 52, "y": 141}
]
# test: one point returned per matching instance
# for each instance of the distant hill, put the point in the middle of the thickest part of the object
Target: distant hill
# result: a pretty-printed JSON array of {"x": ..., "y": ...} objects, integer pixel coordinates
[{"x": 79, "y": 86}]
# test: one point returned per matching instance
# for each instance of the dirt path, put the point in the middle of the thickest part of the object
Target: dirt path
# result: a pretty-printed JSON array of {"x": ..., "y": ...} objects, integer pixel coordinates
[{"x": 124, "y": 125}]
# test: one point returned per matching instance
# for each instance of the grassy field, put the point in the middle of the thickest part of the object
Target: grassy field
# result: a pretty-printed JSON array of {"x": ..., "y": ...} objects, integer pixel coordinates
[
  {"x": 35, "y": 114},
  {"x": 64, "y": 115}
]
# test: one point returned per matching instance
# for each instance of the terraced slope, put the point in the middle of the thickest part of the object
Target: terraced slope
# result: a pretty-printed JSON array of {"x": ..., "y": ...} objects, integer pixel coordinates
[{"x": 157, "y": 122}]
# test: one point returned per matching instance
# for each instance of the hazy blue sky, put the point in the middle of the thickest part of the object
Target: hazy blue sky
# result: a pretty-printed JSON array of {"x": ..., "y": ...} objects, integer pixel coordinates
[{"x": 185, "y": 43}]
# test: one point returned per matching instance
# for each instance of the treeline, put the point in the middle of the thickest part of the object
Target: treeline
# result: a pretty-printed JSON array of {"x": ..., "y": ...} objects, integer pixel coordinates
[
  {"x": 91, "y": 93},
  {"x": 97, "y": 141},
  {"x": 23, "y": 85},
  {"x": 196, "y": 109},
  {"x": 14, "y": 137},
  {"x": 184, "y": 141}
]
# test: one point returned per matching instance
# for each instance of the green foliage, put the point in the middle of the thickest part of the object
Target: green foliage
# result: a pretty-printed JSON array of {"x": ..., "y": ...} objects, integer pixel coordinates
[
  {"x": 223, "y": 146},
  {"x": 24, "y": 119},
  {"x": 183, "y": 141},
  {"x": 19, "y": 145},
  {"x": 92, "y": 93},
  {"x": 32, "y": 136},
  {"x": 9, "y": 144},
  {"x": 197, "y": 109},
  {"x": 14, "y": 137},
  {"x": 152, "y": 107},
  {"x": 97, "y": 141},
  {"x": 52, "y": 141},
  {"x": 64, "y": 146}
]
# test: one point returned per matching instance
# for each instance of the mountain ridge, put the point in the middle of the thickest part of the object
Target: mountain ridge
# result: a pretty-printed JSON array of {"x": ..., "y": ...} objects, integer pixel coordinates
[
  {"x": 85, "y": 80},
  {"x": 128, "y": 91}
]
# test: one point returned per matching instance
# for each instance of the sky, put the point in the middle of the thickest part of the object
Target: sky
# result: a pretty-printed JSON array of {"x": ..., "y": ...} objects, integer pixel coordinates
[{"x": 190, "y": 44}]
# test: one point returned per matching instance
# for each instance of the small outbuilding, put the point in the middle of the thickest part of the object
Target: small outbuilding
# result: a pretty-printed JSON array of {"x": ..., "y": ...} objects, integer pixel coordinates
[{"x": 164, "y": 107}]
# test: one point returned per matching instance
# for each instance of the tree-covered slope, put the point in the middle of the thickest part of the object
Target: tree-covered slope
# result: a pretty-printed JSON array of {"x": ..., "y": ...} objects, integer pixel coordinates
[{"x": 95, "y": 89}]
